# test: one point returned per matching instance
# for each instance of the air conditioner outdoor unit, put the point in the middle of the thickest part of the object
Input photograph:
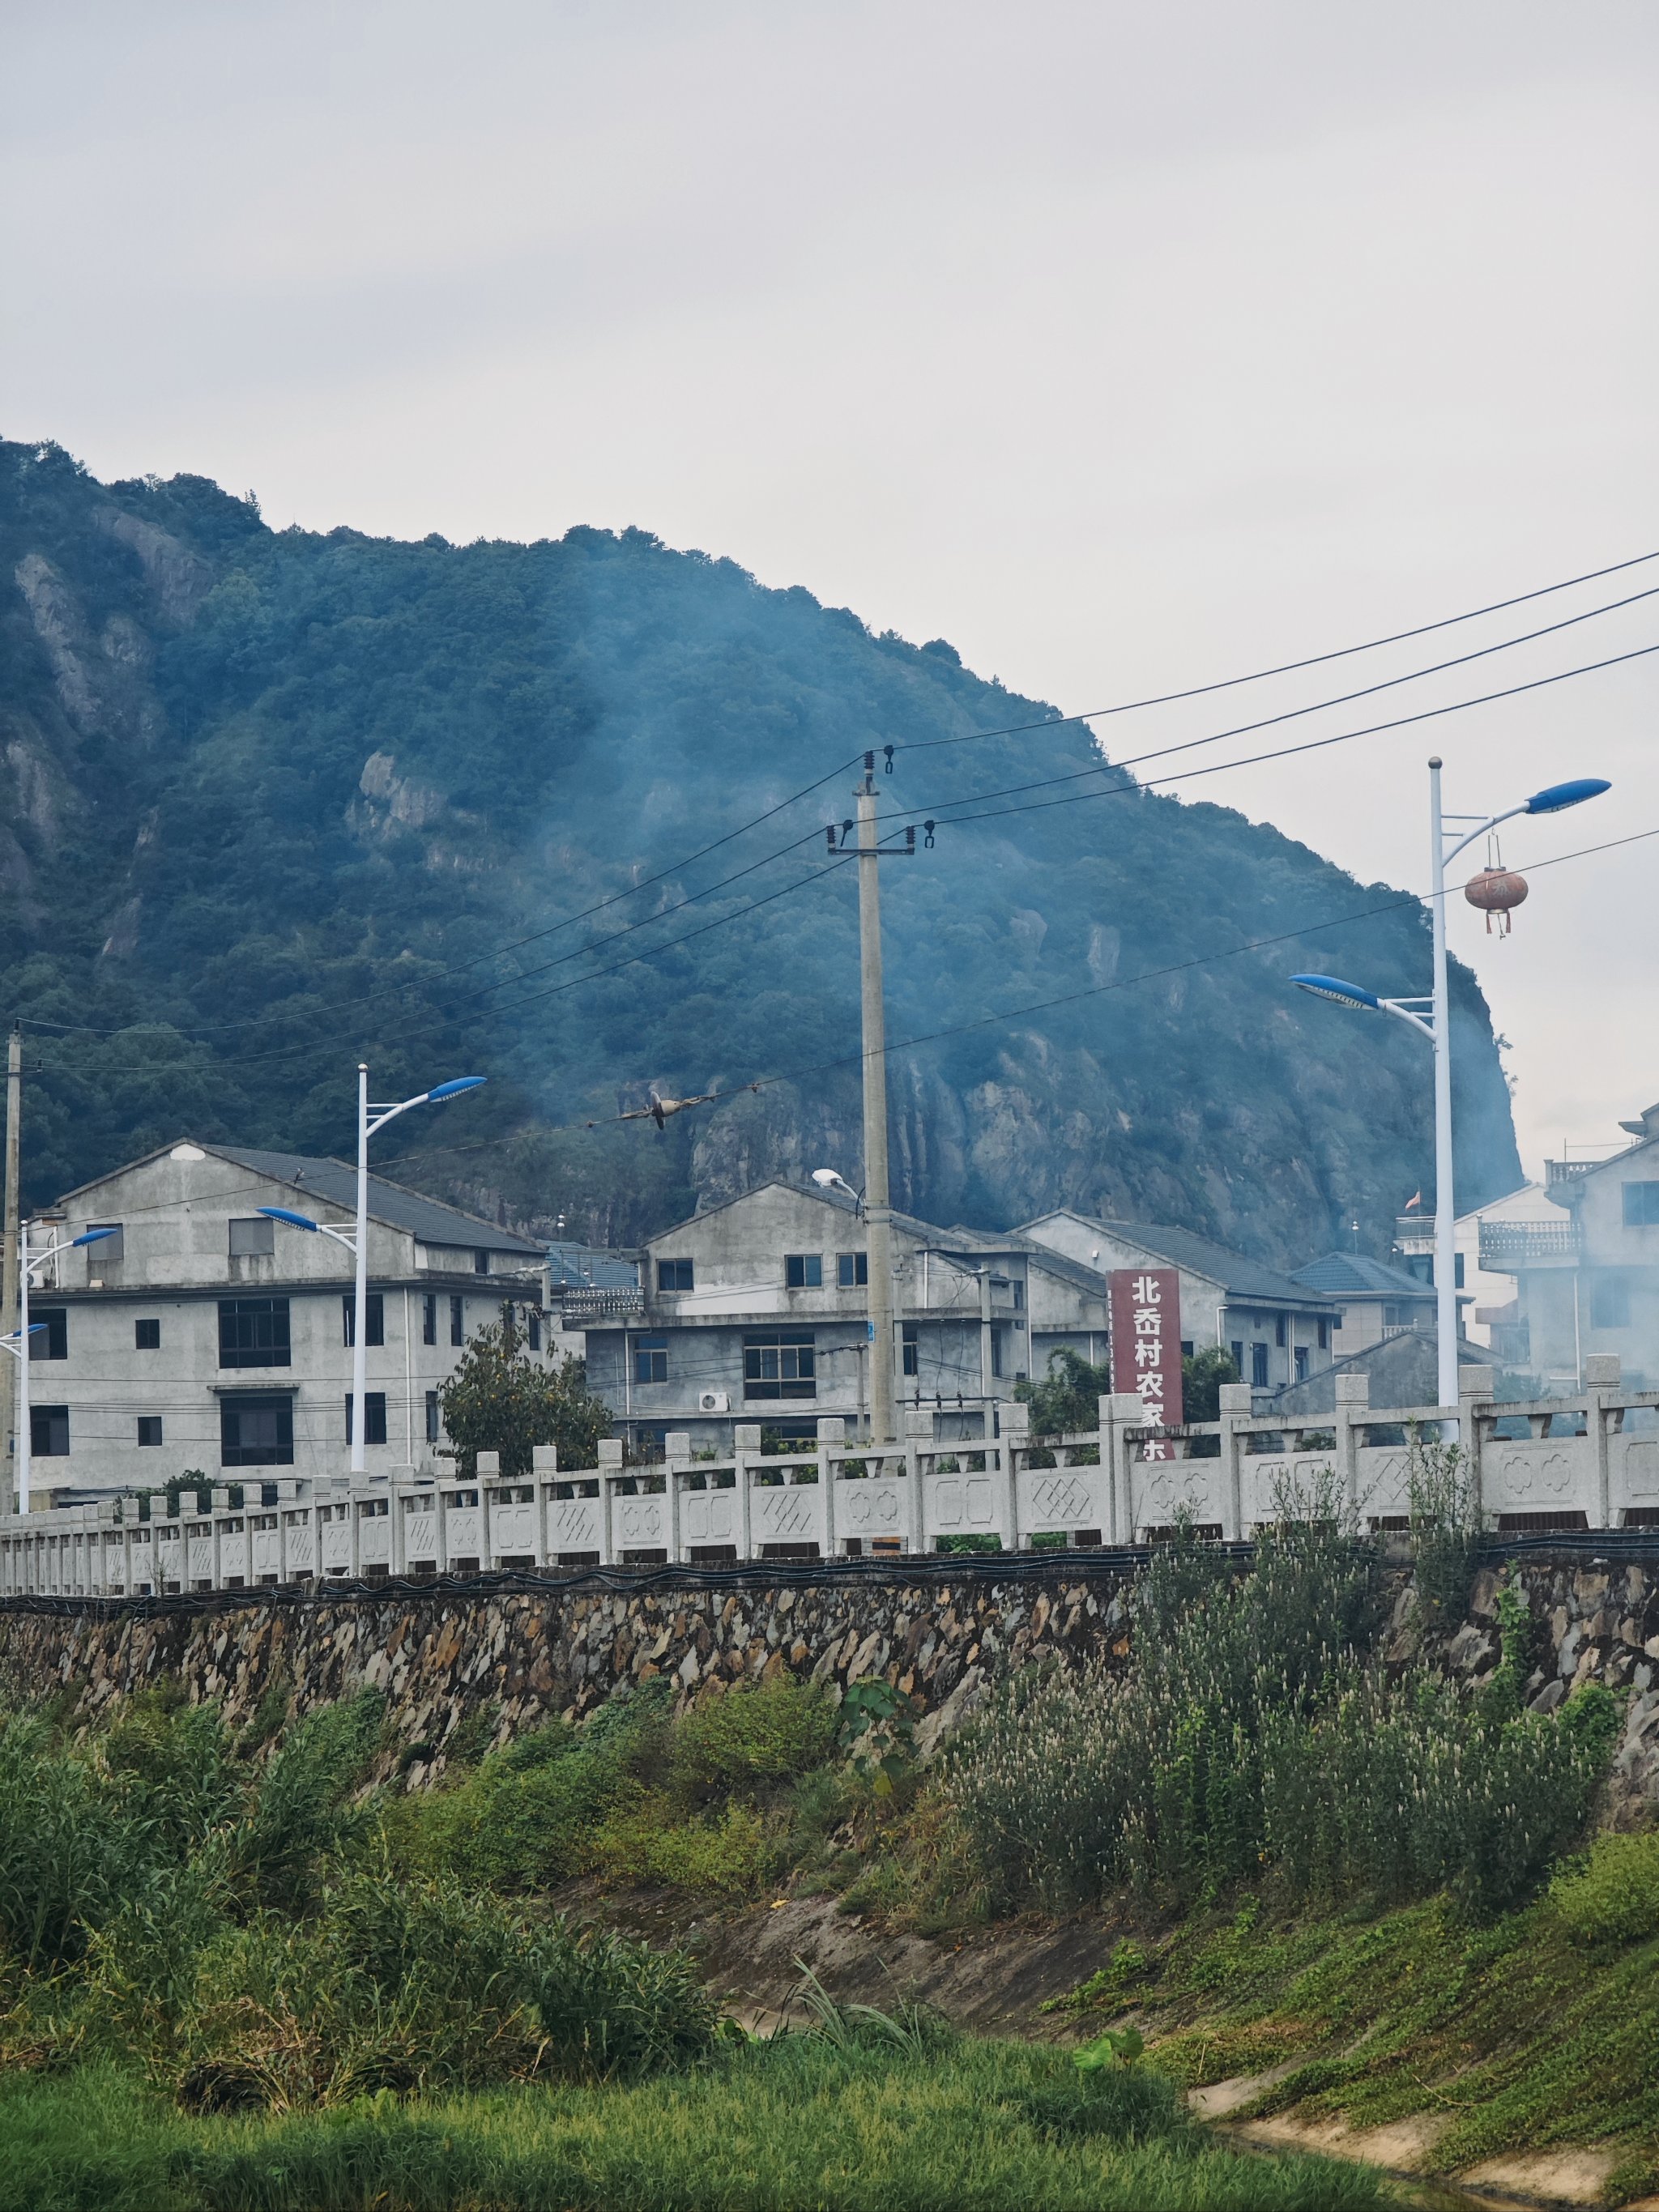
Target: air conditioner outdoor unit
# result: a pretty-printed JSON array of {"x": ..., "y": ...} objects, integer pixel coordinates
[{"x": 714, "y": 1401}]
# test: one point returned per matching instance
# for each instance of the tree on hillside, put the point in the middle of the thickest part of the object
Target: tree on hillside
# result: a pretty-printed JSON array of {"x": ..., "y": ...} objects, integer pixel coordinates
[
  {"x": 1068, "y": 1398},
  {"x": 501, "y": 1399}
]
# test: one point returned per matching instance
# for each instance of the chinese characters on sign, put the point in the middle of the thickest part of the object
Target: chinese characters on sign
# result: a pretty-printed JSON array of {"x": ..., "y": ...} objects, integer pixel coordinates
[{"x": 1146, "y": 1347}]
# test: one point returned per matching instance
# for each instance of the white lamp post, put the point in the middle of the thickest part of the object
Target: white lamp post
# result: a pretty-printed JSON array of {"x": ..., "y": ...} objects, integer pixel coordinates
[
  {"x": 19, "y": 1344},
  {"x": 1431, "y": 1017},
  {"x": 370, "y": 1117}
]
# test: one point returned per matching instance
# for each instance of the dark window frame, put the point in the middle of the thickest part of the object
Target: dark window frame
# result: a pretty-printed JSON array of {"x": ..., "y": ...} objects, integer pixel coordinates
[
  {"x": 1259, "y": 1365},
  {"x": 649, "y": 1355},
  {"x": 373, "y": 1417},
  {"x": 375, "y": 1309},
  {"x": 676, "y": 1275},
  {"x": 49, "y": 1431},
  {"x": 241, "y": 1318},
  {"x": 149, "y": 1430},
  {"x": 1641, "y": 1204},
  {"x": 54, "y": 1344},
  {"x": 236, "y": 1406},
  {"x": 803, "y": 1271},
  {"x": 146, "y": 1333},
  {"x": 910, "y": 1348},
  {"x": 458, "y": 1321},
  {"x": 433, "y": 1418},
  {"x": 429, "y": 1317},
  {"x": 792, "y": 1355},
  {"x": 852, "y": 1270},
  {"x": 112, "y": 1251}
]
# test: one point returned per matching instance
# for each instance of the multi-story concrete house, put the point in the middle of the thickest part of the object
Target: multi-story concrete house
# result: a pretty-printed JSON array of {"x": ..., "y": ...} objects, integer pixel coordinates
[
  {"x": 204, "y": 1337},
  {"x": 1485, "y": 1290},
  {"x": 756, "y": 1311},
  {"x": 1278, "y": 1330},
  {"x": 1373, "y": 1300},
  {"x": 1588, "y": 1276}
]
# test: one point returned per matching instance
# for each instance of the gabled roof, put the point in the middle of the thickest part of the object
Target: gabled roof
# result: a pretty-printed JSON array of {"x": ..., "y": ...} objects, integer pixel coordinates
[
  {"x": 336, "y": 1182},
  {"x": 1352, "y": 1275},
  {"x": 1239, "y": 1277},
  {"x": 388, "y": 1202}
]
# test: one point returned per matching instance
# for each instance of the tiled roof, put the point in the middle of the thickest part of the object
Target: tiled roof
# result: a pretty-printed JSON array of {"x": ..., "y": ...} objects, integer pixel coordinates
[
  {"x": 1240, "y": 1278},
  {"x": 387, "y": 1202},
  {"x": 1351, "y": 1274}
]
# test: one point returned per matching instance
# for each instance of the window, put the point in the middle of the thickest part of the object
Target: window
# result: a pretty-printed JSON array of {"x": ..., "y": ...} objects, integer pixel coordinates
[
  {"x": 1237, "y": 1350},
  {"x": 149, "y": 1428},
  {"x": 803, "y": 1271},
  {"x": 430, "y": 1318},
  {"x": 1457, "y": 1270},
  {"x": 253, "y": 1238},
  {"x": 49, "y": 1431},
  {"x": 481, "y": 1263},
  {"x": 996, "y": 1352},
  {"x": 676, "y": 1275},
  {"x": 910, "y": 1347},
  {"x": 54, "y": 1342},
  {"x": 780, "y": 1363},
  {"x": 375, "y": 1303},
  {"x": 1019, "y": 1290},
  {"x": 253, "y": 1333},
  {"x": 432, "y": 1423},
  {"x": 1258, "y": 1366},
  {"x": 533, "y": 1328},
  {"x": 1396, "y": 1317},
  {"x": 373, "y": 1417},
  {"x": 650, "y": 1358},
  {"x": 256, "y": 1432},
  {"x": 1642, "y": 1205},
  {"x": 146, "y": 1335},
  {"x": 1322, "y": 1333},
  {"x": 852, "y": 1270},
  {"x": 1301, "y": 1357},
  {"x": 1610, "y": 1296},
  {"x": 458, "y": 1321},
  {"x": 110, "y": 1248},
  {"x": 1278, "y": 1330}
]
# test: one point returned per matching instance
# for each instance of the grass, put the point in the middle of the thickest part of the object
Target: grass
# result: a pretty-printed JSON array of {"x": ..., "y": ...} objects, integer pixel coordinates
[
  {"x": 1519, "y": 2033},
  {"x": 795, "y": 2125}
]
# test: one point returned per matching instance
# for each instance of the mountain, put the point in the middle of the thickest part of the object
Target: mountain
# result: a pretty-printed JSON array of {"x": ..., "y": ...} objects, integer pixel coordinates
[{"x": 273, "y": 802}]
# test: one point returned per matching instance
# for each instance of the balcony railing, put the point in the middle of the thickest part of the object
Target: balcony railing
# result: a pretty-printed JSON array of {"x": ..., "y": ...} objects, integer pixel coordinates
[
  {"x": 1505, "y": 1245},
  {"x": 1557, "y": 1172},
  {"x": 591, "y": 1302}
]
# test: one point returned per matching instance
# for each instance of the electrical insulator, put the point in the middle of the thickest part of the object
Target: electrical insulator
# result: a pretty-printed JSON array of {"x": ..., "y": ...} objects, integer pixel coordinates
[{"x": 928, "y": 827}]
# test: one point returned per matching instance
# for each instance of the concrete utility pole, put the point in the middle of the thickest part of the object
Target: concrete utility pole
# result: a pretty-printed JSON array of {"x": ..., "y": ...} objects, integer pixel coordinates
[
  {"x": 8, "y": 1274},
  {"x": 877, "y": 1212}
]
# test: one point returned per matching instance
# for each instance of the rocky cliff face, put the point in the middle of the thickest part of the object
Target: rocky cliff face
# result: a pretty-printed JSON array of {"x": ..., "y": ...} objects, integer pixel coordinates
[{"x": 272, "y": 803}]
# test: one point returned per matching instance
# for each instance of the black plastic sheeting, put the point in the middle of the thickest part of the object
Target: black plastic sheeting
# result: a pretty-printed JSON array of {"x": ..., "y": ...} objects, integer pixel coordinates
[{"x": 1631, "y": 1547}]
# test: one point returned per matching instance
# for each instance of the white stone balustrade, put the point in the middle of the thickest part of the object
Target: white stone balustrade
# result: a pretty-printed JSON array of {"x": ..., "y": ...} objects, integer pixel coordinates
[{"x": 1590, "y": 1461}]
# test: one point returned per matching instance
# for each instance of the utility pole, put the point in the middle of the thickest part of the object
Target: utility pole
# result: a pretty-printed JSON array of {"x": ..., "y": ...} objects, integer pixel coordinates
[
  {"x": 878, "y": 1211},
  {"x": 9, "y": 1271}
]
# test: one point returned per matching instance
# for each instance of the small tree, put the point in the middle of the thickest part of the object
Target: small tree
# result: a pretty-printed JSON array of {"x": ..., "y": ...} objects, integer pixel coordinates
[
  {"x": 500, "y": 1399},
  {"x": 1202, "y": 1374},
  {"x": 1068, "y": 1398}
]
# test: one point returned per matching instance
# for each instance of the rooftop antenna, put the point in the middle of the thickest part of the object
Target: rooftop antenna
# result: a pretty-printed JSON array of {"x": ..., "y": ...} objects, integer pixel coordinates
[{"x": 1354, "y": 1226}]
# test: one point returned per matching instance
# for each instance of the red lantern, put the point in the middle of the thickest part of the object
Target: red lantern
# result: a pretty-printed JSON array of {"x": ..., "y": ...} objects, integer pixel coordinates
[{"x": 1496, "y": 892}]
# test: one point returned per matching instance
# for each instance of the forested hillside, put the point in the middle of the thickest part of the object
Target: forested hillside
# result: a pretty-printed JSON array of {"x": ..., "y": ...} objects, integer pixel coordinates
[{"x": 274, "y": 802}]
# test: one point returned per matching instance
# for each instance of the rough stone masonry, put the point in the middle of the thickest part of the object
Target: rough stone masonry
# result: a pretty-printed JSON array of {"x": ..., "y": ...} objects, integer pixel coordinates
[{"x": 518, "y": 1657}]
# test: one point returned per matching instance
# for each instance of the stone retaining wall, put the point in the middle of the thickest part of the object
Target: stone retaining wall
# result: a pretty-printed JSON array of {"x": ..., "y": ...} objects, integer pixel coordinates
[
  {"x": 529, "y": 1657},
  {"x": 522, "y": 1656}
]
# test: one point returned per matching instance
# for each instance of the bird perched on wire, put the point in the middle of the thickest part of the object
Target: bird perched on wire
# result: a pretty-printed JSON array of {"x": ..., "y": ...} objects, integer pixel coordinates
[{"x": 658, "y": 1109}]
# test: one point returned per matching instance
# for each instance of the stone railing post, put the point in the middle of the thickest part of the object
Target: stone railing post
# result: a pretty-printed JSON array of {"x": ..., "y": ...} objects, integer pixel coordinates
[
  {"x": 677, "y": 1462},
  {"x": 1235, "y": 1407},
  {"x": 832, "y": 1430},
  {"x": 1602, "y": 1372},
  {"x": 1353, "y": 1398},
  {"x": 1016, "y": 1426},
  {"x": 1119, "y": 1413},
  {"x": 745, "y": 1440},
  {"x": 1475, "y": 1388},
  {"x": 398, "y": 1535},
  {"x": 543, "y": 1466},
  {"x": 611, "y": 1463}
]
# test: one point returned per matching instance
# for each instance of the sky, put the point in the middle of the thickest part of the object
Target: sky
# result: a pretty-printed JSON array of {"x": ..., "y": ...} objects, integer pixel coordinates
[{"x": 1129, "y": 347}]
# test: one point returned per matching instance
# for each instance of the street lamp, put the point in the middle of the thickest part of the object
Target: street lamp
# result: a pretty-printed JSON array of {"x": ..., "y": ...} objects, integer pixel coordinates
[
  {"x": 19, "y": 1346},
  {"x": 829, "y": 1179},
  {"x": 1431, "y": 1017},
  {"x": 370, "y": 1117}
]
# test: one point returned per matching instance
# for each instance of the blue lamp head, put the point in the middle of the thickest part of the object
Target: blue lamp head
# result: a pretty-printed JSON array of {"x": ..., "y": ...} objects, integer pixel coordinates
[
  {"x": 1342, "y": 993},
  {"x": 454, "y": 1088},
  {"x": 1559, "y": 795},
  {"x": 92, "y": 1236},
  {"x": 283, "y": 1214}
]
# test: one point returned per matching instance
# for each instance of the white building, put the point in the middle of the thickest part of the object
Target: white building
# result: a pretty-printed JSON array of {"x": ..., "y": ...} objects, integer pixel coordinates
[
  {"x": 204, "y": 1337},
  {"x": 1486, "y": 1301}
]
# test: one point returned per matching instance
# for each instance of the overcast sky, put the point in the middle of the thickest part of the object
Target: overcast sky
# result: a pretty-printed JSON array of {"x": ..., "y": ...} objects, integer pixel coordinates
[{"x": 1126, "y": 346}]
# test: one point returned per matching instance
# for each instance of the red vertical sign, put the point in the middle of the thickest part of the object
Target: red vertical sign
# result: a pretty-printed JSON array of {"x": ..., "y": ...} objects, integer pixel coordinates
[{"x": 1146, "y": 1347}]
